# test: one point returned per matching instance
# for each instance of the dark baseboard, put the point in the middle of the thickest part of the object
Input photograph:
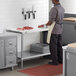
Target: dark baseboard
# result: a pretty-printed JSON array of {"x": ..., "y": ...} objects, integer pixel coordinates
[{"x": 69, "y": 15}]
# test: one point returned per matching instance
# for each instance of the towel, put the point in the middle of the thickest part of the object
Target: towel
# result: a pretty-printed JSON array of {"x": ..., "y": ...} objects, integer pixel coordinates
[{"x": 50, "y": 28}]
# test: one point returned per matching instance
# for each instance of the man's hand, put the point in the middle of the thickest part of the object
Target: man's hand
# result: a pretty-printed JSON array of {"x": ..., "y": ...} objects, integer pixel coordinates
[{"x": 49, "y": 23}]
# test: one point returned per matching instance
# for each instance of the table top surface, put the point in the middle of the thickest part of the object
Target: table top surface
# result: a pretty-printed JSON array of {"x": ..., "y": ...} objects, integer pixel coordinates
[{"x": 27, "y": 31}]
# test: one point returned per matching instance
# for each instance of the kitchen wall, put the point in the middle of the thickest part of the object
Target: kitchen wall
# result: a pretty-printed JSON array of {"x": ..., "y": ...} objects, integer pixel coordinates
[
  {"x": 69, "y": 5},
  {"x": 11, "y": 16},
  {"x": 50, "y": 4},
  {"x": 11, "y": 12},
  {"x": 41, "y": 8}
]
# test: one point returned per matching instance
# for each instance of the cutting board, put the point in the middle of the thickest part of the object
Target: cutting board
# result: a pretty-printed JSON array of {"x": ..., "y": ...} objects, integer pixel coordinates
[
  {"x": 72, "y": 19},
  {"x": 72, "y": 45}
]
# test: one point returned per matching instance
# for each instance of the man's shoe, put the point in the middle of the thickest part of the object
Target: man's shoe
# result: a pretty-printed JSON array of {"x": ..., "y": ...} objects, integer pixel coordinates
[
  {"x": 60, "y": 61},
  {"x": 53, "y": 63}
]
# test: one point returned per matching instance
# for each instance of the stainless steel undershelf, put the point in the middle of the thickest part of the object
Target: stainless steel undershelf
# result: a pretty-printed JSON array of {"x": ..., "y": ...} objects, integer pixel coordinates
[{"x": 30, "y": 55}]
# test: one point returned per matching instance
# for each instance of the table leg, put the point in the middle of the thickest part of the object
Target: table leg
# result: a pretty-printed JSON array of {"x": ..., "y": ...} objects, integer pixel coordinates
[
  {"x": 21, "y": 64},
  {"x": 21, "y": 50}
]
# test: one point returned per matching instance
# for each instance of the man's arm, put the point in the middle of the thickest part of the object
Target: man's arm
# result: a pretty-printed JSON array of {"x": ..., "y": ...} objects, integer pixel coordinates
[{"x": 52, "y": 16}]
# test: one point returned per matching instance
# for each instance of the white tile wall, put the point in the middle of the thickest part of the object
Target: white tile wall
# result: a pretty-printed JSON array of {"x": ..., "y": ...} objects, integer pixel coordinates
[
  {"x": 41, "y": 7},
  {"x": 69, "y": 5}
]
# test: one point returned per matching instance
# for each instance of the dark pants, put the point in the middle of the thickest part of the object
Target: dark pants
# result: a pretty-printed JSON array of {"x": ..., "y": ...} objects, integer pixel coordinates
[{"x": 56, "y": 48}]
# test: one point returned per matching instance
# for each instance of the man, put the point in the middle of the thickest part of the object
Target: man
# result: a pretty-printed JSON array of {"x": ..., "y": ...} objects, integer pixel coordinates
[{"x": 56, "y": 14}]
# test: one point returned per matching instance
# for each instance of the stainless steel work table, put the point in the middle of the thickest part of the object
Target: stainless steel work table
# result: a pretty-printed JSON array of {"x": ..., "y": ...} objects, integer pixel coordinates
[{"x": 25, "y": 55}]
